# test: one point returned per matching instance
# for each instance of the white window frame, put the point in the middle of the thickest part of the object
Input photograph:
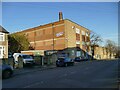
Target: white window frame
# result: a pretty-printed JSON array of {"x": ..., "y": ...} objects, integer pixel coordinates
[
  {"x": 87, "y": 33},
  {"x": 77, "y": 42},
  {"x": 2, "y": 53},
  {"x": 77, "y": 31},
  {"x": 83, "y": 32},
  {"x": 2, "y": 36},
  {"x": 83, "y": 43}
]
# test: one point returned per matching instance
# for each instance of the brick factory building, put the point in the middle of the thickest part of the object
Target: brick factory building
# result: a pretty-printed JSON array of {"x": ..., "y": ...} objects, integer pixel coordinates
[{"x": 63, "y": 35}]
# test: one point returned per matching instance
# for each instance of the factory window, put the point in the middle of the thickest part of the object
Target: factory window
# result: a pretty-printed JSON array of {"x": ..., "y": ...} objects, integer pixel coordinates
[
  {"x": 78, "y": 37},
  {"x": 48, "y": 31},
  {"x": 77, "y": 45},
  {"x": 87, "y": 39},
  {"x": 83, "y": 33},
  {"x": 77, "y": 42},
  {"x": 87, "y": 34},
  {"x": 83, "y": 43},
  {"x": 83, "y": 37},
  {"x": 77, "y": 31}
]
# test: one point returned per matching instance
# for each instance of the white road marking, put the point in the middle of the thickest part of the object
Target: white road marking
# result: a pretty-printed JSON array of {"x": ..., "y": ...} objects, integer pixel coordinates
[{"x": 33, "y": 84}]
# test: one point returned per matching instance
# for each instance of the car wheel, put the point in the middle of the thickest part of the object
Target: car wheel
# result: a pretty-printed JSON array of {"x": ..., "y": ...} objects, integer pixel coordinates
[
  {"x": 66, "y": 65},
  {"x": 72, "y": 64},
  {"x": 57, "y": 65},
  {"x": 6, "y": 74},
  {"x": 24, "y": 64}
]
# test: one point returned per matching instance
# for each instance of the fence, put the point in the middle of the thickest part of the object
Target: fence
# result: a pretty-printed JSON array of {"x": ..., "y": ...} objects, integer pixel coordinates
[
  {"x": 39, "y": 60},
  {"x": 50, "y": 59}
]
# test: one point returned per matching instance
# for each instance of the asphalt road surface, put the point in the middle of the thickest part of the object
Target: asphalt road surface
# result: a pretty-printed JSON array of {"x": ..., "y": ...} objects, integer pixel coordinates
[{"x": 85, "y": 74}]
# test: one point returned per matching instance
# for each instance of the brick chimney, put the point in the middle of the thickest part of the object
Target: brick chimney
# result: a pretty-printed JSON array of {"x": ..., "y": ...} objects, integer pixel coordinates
[{"x": 60, "y": 16}]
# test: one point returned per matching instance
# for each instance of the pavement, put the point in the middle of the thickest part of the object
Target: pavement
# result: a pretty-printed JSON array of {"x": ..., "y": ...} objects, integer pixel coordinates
[
  {"x": 28, "y": 69},
  {"x": 35, "y": 68}
]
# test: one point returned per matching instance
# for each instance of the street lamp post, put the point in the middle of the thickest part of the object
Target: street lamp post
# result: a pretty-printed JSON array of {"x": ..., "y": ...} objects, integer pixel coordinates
[{"x": 53, "y": 35}]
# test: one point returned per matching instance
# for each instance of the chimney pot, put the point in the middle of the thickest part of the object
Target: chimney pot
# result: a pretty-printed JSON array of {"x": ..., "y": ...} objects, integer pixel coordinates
[{"x": 60, "y": 16}]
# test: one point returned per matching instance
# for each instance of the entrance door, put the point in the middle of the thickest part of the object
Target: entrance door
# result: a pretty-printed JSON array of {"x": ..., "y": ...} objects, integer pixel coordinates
[{"x": 1, "y": 52}]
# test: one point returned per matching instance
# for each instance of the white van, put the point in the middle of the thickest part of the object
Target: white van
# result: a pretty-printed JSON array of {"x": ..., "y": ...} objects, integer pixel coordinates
[{"x": 27, "y": 59}]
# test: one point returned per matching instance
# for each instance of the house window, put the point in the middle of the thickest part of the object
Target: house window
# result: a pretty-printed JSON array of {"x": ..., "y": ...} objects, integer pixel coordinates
[
  {"x": 1, "y": 51},
  {"x": 2, "y": 37}
]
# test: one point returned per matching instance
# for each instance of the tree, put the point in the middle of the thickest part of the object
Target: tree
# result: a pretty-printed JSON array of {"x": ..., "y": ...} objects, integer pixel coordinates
[
  {"x": 118, "y": 52},
  {"x": 111, "y": 47},
  {"x": 95, "y": 39},
  {"x": 17, "y": 43}
]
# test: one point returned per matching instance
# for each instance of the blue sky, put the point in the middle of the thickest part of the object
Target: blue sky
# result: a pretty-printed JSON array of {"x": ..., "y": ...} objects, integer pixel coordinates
[{"x": 100, "y": 17}]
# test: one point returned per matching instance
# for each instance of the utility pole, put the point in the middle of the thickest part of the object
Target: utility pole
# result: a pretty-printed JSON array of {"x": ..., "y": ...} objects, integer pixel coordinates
[
  {"x": 34, "y": 40},
  {"x": 53, "y": 34},
  {"x": 53, "y": 42}
]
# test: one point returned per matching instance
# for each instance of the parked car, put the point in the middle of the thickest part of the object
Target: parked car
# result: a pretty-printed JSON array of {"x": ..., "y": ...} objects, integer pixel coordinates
[
  {"x": 78, "y": 59},
  {"x": 27, "y": 59},
  {"x": 7, "y": 71},
  {"x": 64, "y": 61}
]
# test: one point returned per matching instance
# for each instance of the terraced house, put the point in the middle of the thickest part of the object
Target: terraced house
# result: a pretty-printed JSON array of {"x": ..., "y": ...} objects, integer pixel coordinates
[
  {"x": 63, "y": 35},
  {"x": 103, "y": 53},
  {"x": 3, "y": 43}
]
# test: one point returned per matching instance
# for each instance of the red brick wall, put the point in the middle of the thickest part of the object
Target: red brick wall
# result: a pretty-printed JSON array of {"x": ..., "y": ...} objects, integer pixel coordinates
[{"x": 43, "y": 36}]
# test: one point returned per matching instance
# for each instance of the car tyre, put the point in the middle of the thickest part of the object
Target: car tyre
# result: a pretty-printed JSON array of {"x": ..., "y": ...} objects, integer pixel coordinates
[
  {"x": 57, "y": 65},
  {"x": 6, "y": 74},
  {"x": 73, "y": 64},
  {"x": 65, "y": 64}
]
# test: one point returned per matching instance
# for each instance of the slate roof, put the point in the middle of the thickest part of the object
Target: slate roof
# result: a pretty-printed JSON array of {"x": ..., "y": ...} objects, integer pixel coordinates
[{"x": 3, "y": 30}]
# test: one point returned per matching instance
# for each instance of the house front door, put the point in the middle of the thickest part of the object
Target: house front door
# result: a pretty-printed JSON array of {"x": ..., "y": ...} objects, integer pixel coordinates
[{"x": 1, "y": 52}]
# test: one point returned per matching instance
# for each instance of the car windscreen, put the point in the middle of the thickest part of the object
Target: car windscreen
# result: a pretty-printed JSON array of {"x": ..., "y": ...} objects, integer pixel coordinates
[
  {"x": 61, "y": 59},
  {"x": 27, "y": 57},
  {"x": 68, "y": 59}
]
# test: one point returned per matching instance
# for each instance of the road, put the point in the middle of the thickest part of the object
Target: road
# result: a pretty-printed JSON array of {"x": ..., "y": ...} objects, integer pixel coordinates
[{"x": 85, "y": 74}]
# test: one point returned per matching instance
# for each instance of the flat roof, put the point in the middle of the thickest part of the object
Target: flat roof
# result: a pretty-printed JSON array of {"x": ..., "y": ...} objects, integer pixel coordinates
[{"x": 50, "y": 24}]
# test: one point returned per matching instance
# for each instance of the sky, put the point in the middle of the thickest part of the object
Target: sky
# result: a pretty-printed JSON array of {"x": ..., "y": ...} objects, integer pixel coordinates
[{"x": 100, "y": 17}]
